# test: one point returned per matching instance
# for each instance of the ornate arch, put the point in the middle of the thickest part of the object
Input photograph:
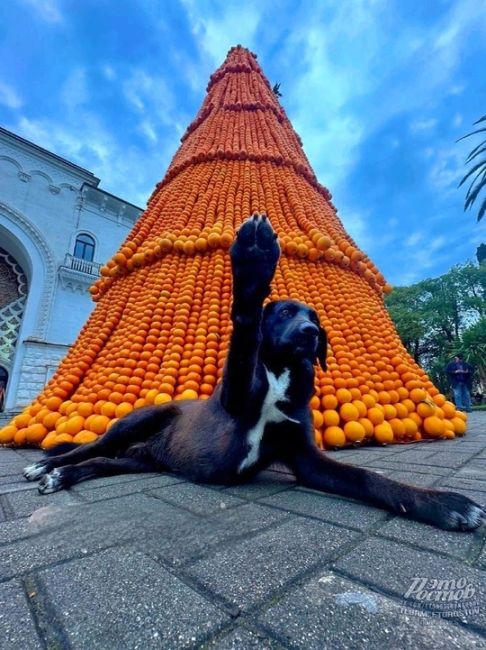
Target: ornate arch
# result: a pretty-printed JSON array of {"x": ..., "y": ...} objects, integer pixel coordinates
[{"x": 38, "y": 240}]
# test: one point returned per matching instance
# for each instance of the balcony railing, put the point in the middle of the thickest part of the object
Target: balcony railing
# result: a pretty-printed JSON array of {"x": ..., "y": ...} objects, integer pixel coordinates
[{"x": 83, "y": 266}]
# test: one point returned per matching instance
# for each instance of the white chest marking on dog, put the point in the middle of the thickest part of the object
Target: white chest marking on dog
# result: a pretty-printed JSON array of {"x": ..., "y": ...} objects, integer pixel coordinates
[{"x": 277, "y": 392}]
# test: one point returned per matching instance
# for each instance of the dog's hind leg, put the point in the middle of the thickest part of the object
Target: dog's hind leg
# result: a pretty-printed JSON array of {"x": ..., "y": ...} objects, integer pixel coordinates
[
  {"x": 137, "y": 426},
  {"x": 64, "y": 477}
]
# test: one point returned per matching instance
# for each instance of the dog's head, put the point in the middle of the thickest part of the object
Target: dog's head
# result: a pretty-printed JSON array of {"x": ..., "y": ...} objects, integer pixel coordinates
[{"x": 291, "y": 331}]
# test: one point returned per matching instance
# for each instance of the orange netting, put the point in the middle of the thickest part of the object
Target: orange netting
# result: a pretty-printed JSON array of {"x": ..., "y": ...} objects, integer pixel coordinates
[{"x": 161, "y": 326}]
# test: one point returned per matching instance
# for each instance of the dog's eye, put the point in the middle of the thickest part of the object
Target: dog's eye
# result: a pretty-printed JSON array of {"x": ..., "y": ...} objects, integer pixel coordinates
[{"x": 285, "y": 313}]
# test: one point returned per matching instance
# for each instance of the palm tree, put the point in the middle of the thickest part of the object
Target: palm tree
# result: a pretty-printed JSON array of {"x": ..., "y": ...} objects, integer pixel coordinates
[{"x": 479, "y": 169}]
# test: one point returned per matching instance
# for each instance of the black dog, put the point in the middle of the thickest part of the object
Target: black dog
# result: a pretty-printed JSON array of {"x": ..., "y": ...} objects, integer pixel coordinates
[{"x": 259, "y": 414}]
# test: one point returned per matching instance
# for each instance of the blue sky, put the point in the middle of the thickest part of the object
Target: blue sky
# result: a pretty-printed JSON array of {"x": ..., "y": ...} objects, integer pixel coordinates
[{"x": 379, "y": 91}]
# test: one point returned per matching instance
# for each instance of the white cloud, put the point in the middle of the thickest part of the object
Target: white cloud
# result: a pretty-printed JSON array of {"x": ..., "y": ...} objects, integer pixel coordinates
[
  {"x": 218, "y": 29},
  {"x": 74, "y": 92},
  {"x": 9, "y": 96},
  {"x": 422, "y": 125},
  {"x": 414, "y": 238},
  {"x": 108, "y": 72},
  {"x": 47, "y": 10}
]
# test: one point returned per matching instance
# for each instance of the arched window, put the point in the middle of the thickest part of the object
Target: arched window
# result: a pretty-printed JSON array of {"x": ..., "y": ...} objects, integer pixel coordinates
[{"x": 84, "y": 247}]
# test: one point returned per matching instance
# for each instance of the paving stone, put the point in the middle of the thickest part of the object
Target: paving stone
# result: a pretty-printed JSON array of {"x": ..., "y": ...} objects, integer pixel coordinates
[
  {"x": 73, "y": 530},
  {"x": 24, "y": 503},
  {"x": 16, "y": 529},
  {"x": 201, "y": 536},
  {"x": 400, "y": 570},
  {"x": 465, "y": 484},
  {"x": 250, "y": 571},
  {"x": 127, "y": 487},
  {"x": 414, "y": 478},
  {"x": 417, "y": 468},
  {"x": 126, "y": 600},
  {"x": 428, "y": 537},
  {"x": 196, "y": 498},
  {"x": 17, "y": 629},
  {"x": 339, "y": 511},
  {"x": 263, "y": 485},
  {"x": 450, "y": 459},
  {"x": 244, "y": 639},
  {"x": 330, "y": 611}
]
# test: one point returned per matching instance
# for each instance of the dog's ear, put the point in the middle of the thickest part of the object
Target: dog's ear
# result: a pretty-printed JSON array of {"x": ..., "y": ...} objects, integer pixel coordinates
[{"x": 322, "y": 348}]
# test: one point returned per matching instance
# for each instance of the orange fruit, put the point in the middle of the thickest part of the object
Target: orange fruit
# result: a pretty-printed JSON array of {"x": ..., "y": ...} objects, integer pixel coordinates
[
  {"x": 7, "y": 434},
  {"x": 123, "y": 409},
  {"x": 459, "y": 425},
  {"x": 330, "y": 418},
  {"x": 433, "y": 426},
  {"x": 426, "y": 409},
  {"x": 74, "y": 425},
  {"x": 375, "y": 415},
  {"x": 418, "y": 395},
  {"x": 343, "y": 395},
  {"x": 98, "y": 424},
  {"x": 383, "y": 433},
  {"x": 162, "y": 398},
  {"x": 318, "y": 419},
  {"x": 367, "y": 426},
  {"x": 35, "y": 432},
  {"x": 349, "y": 412},
  {"x": 334, "y": 437},
  {"x": 354, "y": 431},
  {"x": 84, "y": 437}
]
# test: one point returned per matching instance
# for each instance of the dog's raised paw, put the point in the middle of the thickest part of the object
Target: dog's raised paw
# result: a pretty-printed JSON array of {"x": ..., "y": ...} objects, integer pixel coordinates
[
  {"x": 51, "y": 482},
  {"x": 35, "y": 471}
]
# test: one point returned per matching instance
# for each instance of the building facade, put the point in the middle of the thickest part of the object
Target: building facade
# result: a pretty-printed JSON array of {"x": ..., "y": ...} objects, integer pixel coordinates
[{"x": 57, "y": 227}]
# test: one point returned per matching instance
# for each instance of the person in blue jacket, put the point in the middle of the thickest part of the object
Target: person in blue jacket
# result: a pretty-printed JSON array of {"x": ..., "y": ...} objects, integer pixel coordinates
[{"x": 460, "y": 375}]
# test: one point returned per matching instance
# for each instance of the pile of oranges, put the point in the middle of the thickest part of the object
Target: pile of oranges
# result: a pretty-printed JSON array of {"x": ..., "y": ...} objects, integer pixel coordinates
[{"x": 161, "y": 326}]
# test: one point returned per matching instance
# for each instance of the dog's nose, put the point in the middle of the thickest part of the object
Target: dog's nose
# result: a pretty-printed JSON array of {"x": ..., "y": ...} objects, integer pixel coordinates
[{"x": 309, "y": 329}]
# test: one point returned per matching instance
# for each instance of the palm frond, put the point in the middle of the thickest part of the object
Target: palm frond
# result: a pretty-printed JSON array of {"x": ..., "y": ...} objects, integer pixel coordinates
[
  {"x": 474, "y": 194},
  {"x": 472, "y": 133},
  {"x": 470, "y": 190},
  {"x": 472, "y": 170},
  {"x": 482, "y": 210},
  {"x": 481, "y": 119},
  {"x": 480, "y": 149}
]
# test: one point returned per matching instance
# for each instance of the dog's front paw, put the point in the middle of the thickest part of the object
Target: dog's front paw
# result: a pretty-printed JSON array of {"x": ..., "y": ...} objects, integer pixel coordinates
[
  {"x": 51, "y": 482},
  {"x": 35, "y": 471},
  {"x": 254, "y": 255},
  {"x": 453, "y": 511}
]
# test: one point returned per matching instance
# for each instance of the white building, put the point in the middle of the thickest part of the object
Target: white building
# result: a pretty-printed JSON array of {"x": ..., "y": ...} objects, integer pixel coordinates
[{"x": 56, "y": 229}]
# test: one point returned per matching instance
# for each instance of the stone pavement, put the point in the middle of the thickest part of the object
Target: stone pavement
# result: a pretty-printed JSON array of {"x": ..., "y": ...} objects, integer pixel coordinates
[{"x": 152, "y": 561}]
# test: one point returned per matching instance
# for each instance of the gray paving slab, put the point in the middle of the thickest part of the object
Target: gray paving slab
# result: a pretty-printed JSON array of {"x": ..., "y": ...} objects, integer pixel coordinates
[
  {"x": 196, "y": 498},
  {"x": 17, "y": 627},
  {"x": 72, "y": 530},
  {"x": 429, "y": 538},
  {"x": 400, "y": 570},
  {"x": 248, "y": 572},
  {"x": 414, "y": 478},
  {"x": 262, "y": 554},
  {"x": 334, "y": 510},
  {"x": 114, "y": 490},
  {"x": 332, "y": 612},
  {"x": 25, "y": 502},
  {"x": 242, "y": 638},
  {"x": 201, "y": 537},
  {"x": 263, "y": 485},
  {"x": 123, "y": 599}
]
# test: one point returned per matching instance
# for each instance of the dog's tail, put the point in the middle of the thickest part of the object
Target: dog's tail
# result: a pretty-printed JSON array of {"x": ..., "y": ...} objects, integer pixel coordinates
[{"x": 62, "y": 448}]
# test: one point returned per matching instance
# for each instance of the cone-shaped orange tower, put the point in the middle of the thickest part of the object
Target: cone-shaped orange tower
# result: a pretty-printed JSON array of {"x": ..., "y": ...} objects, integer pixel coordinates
[{"x": 161, "y": 326}]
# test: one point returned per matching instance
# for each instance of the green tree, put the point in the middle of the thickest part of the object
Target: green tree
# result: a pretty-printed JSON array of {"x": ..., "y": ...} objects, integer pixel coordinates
[
  {"x": 477, "y": 171},
  {"x": 438, "y": 317}
]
